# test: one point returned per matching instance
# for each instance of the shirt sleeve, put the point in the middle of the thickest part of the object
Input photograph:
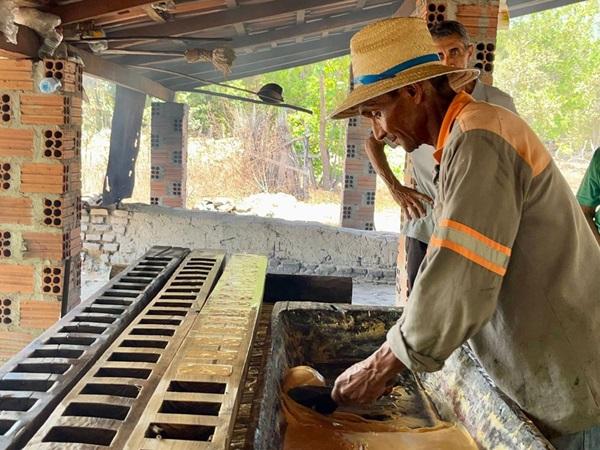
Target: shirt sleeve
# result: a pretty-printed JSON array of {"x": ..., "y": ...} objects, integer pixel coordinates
[
  {"x": 482, "y": 186},
  {"x": 589, "y": 191}
]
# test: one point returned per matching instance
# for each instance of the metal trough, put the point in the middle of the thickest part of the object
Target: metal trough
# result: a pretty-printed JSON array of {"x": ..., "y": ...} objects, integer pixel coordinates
[{"x": 331, "y": 337}]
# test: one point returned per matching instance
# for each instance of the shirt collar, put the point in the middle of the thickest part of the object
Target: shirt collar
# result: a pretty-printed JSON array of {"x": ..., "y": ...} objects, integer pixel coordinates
[{"x": 461, "y": 100}]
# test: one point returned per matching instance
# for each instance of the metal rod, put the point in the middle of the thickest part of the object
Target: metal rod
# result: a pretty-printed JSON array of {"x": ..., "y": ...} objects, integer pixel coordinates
[{"x": 141, "y": 38}]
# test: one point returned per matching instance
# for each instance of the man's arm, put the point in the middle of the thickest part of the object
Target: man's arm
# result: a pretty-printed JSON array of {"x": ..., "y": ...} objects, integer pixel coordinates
[
  {"x": 409, "y": 200},
  {"x": 482, "y": 191},
  {"x": 589, "y": 213}
]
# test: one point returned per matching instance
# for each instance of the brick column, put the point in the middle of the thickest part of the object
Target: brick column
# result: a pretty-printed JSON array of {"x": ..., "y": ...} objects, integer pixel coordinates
[
  {"x": 40, "y": 198},
  {"x": 168, "y": 154},
  {"x": 360, "y": 179}
]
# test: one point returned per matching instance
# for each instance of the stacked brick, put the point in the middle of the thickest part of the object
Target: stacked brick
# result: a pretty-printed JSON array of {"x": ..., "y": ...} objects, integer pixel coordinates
[
  {"x": 360, "y": 179},
  {"x": 101, "y": 231},
  {"x": 40, "y": 198},
  {"x": 480, "y": 17},
  {"x": 168, "y": 143}
]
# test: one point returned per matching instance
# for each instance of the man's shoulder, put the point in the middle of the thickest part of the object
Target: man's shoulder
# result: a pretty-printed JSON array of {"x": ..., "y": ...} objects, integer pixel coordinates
[{"x": 494, "y": 95}]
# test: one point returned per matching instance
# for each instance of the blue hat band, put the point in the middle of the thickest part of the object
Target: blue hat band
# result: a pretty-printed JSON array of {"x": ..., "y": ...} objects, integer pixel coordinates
[{"x": 392, "y": 72}]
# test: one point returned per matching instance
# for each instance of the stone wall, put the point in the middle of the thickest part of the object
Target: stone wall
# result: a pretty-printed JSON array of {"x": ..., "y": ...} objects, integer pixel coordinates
[{"x": 120, "y": 236}]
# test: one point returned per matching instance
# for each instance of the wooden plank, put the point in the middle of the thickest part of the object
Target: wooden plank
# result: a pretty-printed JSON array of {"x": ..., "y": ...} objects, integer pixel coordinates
[
  {"x": 281, "y": 287},
  {"x": 92, "y": 9},
  {"x": 72, "y": 345},
  {"x": 130, "y": 361},
  {"x": 27, "y": 45},
  {"x": 244, "y": 13},
  {"x": 225, "y": 325},
  {"x": 102, "y": 68}
]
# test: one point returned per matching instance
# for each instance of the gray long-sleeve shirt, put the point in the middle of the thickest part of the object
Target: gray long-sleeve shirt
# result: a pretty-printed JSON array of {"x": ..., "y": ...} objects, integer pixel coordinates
[{"x": 513, "y": 268}]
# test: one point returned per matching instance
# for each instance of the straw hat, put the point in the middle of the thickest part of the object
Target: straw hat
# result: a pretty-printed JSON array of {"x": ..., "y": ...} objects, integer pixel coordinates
[{"x": 393, "y": 53}]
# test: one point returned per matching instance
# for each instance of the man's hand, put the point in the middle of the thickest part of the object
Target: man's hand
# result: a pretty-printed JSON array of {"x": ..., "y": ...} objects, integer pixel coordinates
[
  {"x": 367, "y": 380},
  {"x": 412, "y": 202}
]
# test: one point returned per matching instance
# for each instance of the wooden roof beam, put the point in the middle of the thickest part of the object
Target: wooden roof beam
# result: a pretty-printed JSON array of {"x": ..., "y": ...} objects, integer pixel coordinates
[
  {"x": 27, "y": 45},
  {"x": 241, "y": 14},
  {"x": 101, "y": 68},
  {"x": 91, "y": 9}
]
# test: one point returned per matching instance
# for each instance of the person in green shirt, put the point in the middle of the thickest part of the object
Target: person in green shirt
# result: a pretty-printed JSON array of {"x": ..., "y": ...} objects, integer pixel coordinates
[{"x": 588, "y": 194}]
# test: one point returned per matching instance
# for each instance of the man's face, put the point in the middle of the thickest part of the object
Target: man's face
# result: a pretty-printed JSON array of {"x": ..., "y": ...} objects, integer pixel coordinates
[
  {"x": 397, "y": 117},
  {"x": 453, "y": 52}
]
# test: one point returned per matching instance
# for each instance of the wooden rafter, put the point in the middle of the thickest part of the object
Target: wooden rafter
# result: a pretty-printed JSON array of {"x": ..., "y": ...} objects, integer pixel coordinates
[
  {"x": 27, "y": 45},
  {"x": 230, "y": 17},
  {"x": 92, "y": 9}
]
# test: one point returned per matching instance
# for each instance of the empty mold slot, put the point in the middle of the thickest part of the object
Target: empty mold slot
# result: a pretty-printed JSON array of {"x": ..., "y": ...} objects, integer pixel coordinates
[
  {"x": 129, "y": 287},
  {"x": 55, "y": 368},
  {"x": 116, "y": 390},
  {"x": 194, "y": 273},
  {"x": 135, "y": 343},
  {"x": 70, "y": 340},
  {"x": 173, "y": 304},
  {"x": 80, "y": 328},
  {"x": 16, "y": 403},
  {"x": 165, "y": 312},
  {"x": 210, "y": 260},
  {"x": 92, "y": 309},
  {"x": 123, "y": 372},
  {"x": 56, "y": 353},
  {"x": 94, "y": 319},
  {"x": 173, "y": 322},
  {"x": 112, "y": 301},
  {"x": 200, "y": 387},
  {"x": 26, "y": 385},
  {"x": 136, "y": 280},
  {"x": 180, "y": 432},
  {"x": 103, "y": 410},
  {"x": 165, "y": 259},
  {"x": 152, "y": 332},
  {"x": 194, "y": 408},
  {"x": 134, "y": 357},
  {"x": 118, "y": 294},
  {"x": 177, "y": 290},
  {"x": 145, "y": 274},
  {"x": 187, "y": 283},
  {"x": 151, "y": 263},
  {"x": 80, "y": 435},
  {"x": 177, "y": 297},
  {"x": 5, "y": 426}
]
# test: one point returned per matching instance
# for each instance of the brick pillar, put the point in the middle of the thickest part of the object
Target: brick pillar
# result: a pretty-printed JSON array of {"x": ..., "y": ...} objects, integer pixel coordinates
[
  {"x": 40, "y": 198},
  {"x": 358, "y": 196},
  {"x": 480, "y": 18},
  {"x": 169, "y": 154}
]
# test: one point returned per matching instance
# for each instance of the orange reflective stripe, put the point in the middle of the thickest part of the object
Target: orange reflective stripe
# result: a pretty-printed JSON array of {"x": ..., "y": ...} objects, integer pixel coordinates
[
  {"x": 476, "y": 234},
  {"x": 465, "y": 252}
]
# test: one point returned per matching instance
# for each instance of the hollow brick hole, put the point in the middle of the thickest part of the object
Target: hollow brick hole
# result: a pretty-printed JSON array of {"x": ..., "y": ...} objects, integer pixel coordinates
[
  {"x": 6, "y": 311},
  {"x": 53, "y": 212},
  {"x": 436, "y": 13},
  {"x": 6, "y": 108},
  {"x": 53, "y": 143},
  {"x": 5, "y": 249},
  {"x": 52, "y": 280},
  {"x": 485, "y": 56},
  {"x": 5, "y": 176}
]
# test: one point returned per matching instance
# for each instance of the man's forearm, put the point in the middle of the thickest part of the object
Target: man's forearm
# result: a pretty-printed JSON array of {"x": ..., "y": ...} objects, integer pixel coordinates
[{"x": 381, "y": 166}]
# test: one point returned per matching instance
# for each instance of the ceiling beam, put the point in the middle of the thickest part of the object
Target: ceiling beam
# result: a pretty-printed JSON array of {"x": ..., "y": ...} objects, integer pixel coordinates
[
  {"x": 522, "y": 8},
  {"x": 92, "y": 9},
  {"x": 101, "y": 68},
  {"x": 223, "y": 18},
  {"x": 27, "y": 45},
  {"x": 407, "y": 9},
  {"x": 352, "y": 18}
]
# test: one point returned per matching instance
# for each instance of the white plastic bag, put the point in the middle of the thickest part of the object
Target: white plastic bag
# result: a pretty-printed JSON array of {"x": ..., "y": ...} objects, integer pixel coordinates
[{"x": 7, "y": 21}]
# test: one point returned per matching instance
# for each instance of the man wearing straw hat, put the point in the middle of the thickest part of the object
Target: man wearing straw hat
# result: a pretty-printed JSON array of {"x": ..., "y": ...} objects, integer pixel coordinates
[
  {"x": 455, "y": 50},
  {"x": 512, "y": 265}
]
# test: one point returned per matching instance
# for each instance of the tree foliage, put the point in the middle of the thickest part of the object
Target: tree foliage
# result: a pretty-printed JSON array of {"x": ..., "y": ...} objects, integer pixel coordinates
[{"x": 549, "y": 62}]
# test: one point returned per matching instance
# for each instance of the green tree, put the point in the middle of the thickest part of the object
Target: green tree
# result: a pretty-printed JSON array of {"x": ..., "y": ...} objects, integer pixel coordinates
[{"x": 550, "y": 62}]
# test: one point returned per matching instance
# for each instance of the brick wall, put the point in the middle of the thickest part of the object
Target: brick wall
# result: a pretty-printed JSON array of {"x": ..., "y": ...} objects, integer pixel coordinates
[
  {"x": 40, "y": 198},
  {"x": 169, "y": 154}
]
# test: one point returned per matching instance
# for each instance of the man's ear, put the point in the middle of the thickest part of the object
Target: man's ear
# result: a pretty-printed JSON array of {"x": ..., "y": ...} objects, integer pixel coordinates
[
  {"x": 470, "y": 51},
  {"x": 414, "y": 92}
]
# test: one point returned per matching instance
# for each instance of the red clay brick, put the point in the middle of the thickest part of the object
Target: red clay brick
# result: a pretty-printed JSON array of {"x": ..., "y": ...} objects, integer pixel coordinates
[
  {"x": 39, "y": 314},
  {"x": 12, "y": 342},
  {"x": 43, "y": 245},
  {"x": 37, "y": 177},
  {"x": 16, "y": 278},
  {"x": 16, "y": 210},
  {"x": 16, "y": 142}
]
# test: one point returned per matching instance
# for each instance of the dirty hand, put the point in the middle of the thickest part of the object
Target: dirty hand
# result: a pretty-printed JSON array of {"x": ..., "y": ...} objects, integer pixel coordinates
[
  {"x": 367, "y": 380},
  {"x": 411, "y": 201}
]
